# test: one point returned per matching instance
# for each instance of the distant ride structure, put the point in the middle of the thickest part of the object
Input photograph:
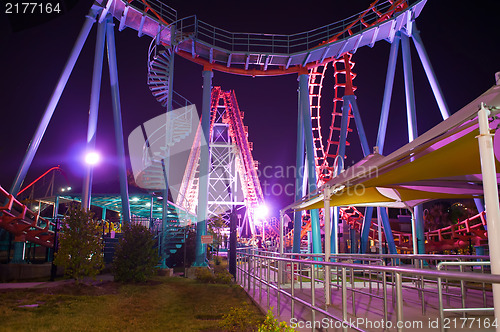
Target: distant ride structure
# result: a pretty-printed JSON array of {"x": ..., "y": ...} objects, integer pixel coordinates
[{"x": 307, "y": 54}]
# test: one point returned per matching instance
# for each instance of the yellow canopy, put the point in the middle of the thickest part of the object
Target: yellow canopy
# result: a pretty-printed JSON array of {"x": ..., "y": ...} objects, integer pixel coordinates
[{"x": 443, "y": 163}]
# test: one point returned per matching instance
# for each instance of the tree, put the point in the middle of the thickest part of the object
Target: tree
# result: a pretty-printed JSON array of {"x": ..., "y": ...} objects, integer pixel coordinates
[
  {"x": 215, "y": 226},
  {"x": 80, "y": 245},
  {"x": 135, "y": 256}
]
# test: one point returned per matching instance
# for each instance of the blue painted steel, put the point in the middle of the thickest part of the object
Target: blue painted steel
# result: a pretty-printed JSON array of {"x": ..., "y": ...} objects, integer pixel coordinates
[
  {"x": 389, "y": 83},
  {"x": 429, "y": 71},
  {"x": 18, "y": 255},
  {"x": 419, "y": 228},
  {"x": 297, "y": 217},
  {"x": 163, "y": 235},
  {"x": 388, "y": 232},
  {"x": 479, "y": 204},
  {"x": 151, "y": 206},
  {"x": 55, "y": 212},
  {"x": 343, "y": 137},
  {"x": 412, "y": 129},
  {"x": 201, "y": 226},
  {"x": 334, "y": 234},
  {"x": 409, "y": 90},
  {"x": 351, "y": 99},
  {"x": 170, "y": 81},
  {"x": 94, "y": 111},
  {"x": 54, "y": 99},
  {"x": 117, "y": 117},
  {"x": 306, "y": 120},
  {"x": 365, "y": 231},
  {"x": 103, "y": 213},
  {"x": 382, "y": 128}
]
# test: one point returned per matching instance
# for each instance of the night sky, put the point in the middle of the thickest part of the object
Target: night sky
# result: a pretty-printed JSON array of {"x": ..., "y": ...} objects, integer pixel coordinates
[{"x": 462, "y": 40}]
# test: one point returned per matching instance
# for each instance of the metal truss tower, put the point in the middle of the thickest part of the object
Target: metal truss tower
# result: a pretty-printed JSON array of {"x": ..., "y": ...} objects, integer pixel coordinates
[{"x": 233, "y": 183}]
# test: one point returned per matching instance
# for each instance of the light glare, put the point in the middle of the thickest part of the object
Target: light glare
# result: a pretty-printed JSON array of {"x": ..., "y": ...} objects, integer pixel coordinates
[{"x": 92, "y": 158}]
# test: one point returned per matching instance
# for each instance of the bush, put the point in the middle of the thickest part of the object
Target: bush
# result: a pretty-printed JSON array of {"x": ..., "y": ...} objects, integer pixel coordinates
[
  {"x": 204, "y": 274},
  {"x": 135, "y": 256},
  {"x": 271, "y": 324},
  {"x": 80, "y": 245},
  {"x": 222, "y": 276},
  {"x": 219, "y": 275},
  {"x": 239, "y": 319}
]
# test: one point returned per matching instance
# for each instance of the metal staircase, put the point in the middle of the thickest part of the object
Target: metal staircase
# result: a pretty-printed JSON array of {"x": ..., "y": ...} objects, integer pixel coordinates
[{"x": 163, "y": 132}]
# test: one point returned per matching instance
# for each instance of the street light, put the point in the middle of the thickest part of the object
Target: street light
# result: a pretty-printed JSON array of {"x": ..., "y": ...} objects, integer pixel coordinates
[{"x": 92, "y": 158}]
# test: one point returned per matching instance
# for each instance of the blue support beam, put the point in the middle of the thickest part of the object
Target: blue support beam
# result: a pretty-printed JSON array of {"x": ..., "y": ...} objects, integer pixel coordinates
[
  {"x": 386, "y": 102},
  {"x": 436, "y": 89},
  {"x": 201, "y": 226},
  {"x": 382, "y": 129},
  {"x": 297, "y": 217},
  {"x": 351, "y": 99},
  {"x": 412, "y": 130},
  {"x": 388, "y": 232},
  {"x": 94, "y": 111},
  {"x": 54, "y": 100},
  {"x": 306, "y": 119},
  {"x": 117, "y": 117},
  {"x": 365, "y": 230},
  {"x": 429, "y": 71}
]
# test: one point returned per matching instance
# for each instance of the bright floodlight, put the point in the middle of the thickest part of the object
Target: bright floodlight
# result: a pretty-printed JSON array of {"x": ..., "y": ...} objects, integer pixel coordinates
[
  {"x": 261, "y": 212},
  {"x": 92, "y": 158}
]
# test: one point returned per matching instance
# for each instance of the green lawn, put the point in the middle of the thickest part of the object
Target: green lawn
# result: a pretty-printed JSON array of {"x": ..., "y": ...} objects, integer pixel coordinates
[{"x": 163, "y": 304}]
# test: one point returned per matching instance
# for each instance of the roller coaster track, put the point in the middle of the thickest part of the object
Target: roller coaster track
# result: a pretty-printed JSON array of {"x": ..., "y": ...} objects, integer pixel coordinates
[
  {"x": 265, "y": 54},
  {"x": 246, "y": 165},
  {"x": 25, "y": 224},
  {"x": 255, "y": 54}
]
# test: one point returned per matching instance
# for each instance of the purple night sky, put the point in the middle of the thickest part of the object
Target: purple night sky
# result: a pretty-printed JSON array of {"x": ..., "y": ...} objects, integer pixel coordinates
[{"x": 461, "y": 39}]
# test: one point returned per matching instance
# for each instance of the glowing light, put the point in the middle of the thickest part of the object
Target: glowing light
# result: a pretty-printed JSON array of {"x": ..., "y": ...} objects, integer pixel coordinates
[
  {"x": 92, "y": 158},
  {"x": 135, "y": 199},
  {"x": 148, "y": 204},
  {"x": 261, "y": 212}
]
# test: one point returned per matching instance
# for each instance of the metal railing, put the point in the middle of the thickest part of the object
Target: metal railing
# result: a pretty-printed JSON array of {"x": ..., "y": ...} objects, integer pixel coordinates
[
  {"x": 463, "y": 292},
  {"x": 288, "y": 275},
  {"x": 275, "y": 43}
]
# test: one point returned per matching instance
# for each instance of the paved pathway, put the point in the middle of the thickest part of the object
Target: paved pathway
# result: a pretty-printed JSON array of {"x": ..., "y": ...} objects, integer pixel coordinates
[{"x": 367, "y": 313}]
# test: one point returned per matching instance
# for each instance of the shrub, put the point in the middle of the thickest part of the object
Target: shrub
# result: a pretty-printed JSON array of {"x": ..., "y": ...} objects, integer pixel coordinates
[
  {"x": 204, "y": 274},
  {"x": 135, "y": 256},
  {"x": 239, "y": 319},
  {"x": 80, "y": 245},
  {"x": 271, "y": 324},
  {"x": 222, "y": 276}
]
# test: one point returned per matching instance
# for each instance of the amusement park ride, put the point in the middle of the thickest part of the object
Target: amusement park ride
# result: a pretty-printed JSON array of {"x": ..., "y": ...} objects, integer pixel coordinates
[{"x": 222, "y": 174}]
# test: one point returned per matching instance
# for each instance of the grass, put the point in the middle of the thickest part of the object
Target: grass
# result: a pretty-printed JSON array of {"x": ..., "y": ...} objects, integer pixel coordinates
[{"x": 163, "y": 304}]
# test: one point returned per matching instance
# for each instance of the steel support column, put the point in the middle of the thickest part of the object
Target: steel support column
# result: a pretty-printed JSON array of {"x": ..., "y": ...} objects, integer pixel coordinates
[
  {"x": 429, "y": 71},
  {"x": 351, "y": 99},
  {"x": 389, "y": 83},
  {"x": 412, "y": 130},
  {"x": 382, "y": 129},
  {"x": 490, "y": 188},
  {"x": 54, "y": 100},
  {"x": 201, "y": 227},
  {"x": 94, "y": 111},
  {"x": 299, "y": 169},
  {"x": 117, "y": 117},
  {"x": 306, "y": 118},
  {"x": 389, "y": 238},
  {"x": 365, "y": 230}
]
